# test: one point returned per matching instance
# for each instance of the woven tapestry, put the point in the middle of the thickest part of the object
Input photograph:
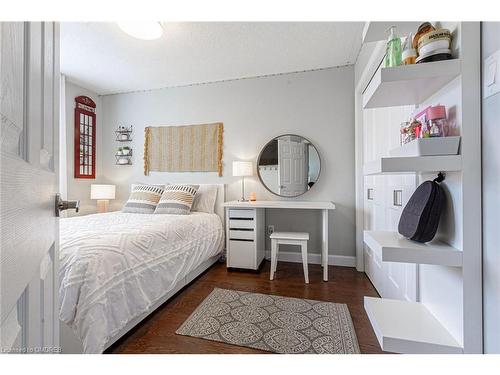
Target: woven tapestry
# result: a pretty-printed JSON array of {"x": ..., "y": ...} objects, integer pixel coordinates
[{"x": 192, "y": 148}]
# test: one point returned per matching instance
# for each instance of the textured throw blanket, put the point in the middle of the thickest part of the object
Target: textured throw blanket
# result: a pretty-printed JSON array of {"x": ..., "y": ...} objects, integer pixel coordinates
[
  {"x": 115, "y": 266},
  {"x": 192, "y": 148}
]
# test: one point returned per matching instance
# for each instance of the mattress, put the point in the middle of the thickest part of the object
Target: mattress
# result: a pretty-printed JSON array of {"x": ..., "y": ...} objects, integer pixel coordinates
[{"x": 115, "y": 266}]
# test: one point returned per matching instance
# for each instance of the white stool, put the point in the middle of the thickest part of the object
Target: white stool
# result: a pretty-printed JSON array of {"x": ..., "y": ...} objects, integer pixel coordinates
[{"x": 288, "y": 238}]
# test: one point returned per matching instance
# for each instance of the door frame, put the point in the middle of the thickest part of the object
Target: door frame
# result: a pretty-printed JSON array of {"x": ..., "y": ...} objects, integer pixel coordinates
[{"x": 368, "y": 71}]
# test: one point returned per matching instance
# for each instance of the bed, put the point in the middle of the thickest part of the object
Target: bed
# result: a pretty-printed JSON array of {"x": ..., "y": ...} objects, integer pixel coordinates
[{"x": 116, "y": 268}]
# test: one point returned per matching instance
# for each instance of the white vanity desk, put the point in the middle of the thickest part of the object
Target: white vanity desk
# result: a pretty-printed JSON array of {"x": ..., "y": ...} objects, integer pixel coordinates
[{"x": 245, "y": 230}]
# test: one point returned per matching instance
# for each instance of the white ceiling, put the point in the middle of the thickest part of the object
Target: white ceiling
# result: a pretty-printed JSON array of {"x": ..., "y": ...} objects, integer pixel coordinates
[{"x": 100, "y": 57}]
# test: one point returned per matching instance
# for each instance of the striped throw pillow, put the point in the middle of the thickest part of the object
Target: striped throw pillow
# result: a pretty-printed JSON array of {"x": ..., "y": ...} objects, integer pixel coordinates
[
  {"x": 143, "y": 199},
  {"x": 177, "y": 199}
]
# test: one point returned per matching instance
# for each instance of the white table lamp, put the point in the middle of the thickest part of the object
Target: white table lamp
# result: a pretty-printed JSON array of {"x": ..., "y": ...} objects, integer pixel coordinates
[
  {"x": 102, "y": 193},
  {"x": 242, "y": 169}
]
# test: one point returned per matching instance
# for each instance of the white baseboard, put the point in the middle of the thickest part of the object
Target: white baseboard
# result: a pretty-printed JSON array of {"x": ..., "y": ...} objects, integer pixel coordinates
[{"x": 296, "y": 257}]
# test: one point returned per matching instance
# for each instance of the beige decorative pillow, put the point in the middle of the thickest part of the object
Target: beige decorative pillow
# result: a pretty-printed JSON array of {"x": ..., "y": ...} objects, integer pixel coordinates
[
  {"x": 143, "y": 198},
  {"x": 205, "y": 198},
  {"x": 177, "y": 199}
]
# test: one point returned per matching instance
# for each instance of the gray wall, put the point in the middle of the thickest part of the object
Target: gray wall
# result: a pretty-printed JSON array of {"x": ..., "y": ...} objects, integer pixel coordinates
[
  {"x": 318, "y": 105},
  {"x": 491, "y": 201},
  {"x": 79, "y": 188}
]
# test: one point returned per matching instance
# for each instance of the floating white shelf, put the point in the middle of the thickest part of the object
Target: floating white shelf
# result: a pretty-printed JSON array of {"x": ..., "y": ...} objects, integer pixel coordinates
[
  {"x": 433, "y": 146},
  {"x": 375, "y": 31},
  {"x": 408, "y": 327},
  {"x": 409, "y": 84},
  {"x": 395, "y": 248},
  {"x": 395, "y": 165}
]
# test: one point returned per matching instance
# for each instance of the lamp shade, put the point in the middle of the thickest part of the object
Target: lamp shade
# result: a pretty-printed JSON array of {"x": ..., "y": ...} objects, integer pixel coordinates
[
  {"x": 242, "y": 168},
  {"x": 98, "y": 191}
]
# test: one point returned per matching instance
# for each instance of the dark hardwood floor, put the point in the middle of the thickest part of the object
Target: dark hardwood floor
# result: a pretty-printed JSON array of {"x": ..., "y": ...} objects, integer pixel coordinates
[{"x": 157, "y": 333}]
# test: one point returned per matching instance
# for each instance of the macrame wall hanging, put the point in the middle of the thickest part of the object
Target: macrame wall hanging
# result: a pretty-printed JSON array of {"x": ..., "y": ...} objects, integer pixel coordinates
[{"x": 191, "y": 148}]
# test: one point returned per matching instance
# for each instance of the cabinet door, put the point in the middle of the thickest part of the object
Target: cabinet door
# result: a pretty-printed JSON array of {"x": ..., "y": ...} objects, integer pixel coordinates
[
  {"x": 400, "y": 278},
  {"x": 389, "y": 195}
]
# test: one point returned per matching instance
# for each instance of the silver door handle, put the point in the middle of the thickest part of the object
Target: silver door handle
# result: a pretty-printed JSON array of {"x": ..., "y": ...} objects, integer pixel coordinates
[
  {"x": 397, "y": 198},
  {"x": 369, "y": 194},
  {"x": 62, "y": 205}
]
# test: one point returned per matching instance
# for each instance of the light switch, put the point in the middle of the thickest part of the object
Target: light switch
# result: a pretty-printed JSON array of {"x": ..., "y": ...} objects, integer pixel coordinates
[{"x": 491, "y": 75}]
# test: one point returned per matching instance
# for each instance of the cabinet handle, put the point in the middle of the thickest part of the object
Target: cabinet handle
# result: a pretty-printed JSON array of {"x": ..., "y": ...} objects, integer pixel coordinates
[
  {"x": 369, "y": 194},
  {"x": 397, "y": 198}
]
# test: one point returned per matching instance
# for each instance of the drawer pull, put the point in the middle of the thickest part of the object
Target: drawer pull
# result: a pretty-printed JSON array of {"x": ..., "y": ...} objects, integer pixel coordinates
[
  {"x": 242, "y": 229},
  {"x": 241, "y": 218},
  {"x": 397, "y": 198},
  {"x": 369, "y": 194},
  {"x": 240, "y": 239}
]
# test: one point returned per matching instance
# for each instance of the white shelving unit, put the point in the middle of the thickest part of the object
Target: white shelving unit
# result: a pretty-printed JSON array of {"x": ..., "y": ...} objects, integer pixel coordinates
[
  {"x": 395, "y": 248},
  {"x": 409, "y": 84},
  {"x": 448, "y": 318},
  {"x": 408, "y": 327},
  {"x": 376, "y": 31},
  {"x": 393, "y": 165}
]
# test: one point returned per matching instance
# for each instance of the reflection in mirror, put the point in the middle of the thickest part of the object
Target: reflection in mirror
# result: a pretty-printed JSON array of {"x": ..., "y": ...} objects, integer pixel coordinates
[{"x": 289, "y": 165}]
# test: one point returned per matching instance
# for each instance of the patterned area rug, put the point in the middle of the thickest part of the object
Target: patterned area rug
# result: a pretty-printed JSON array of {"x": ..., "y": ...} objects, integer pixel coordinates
[{"x": 273, "y": 323}]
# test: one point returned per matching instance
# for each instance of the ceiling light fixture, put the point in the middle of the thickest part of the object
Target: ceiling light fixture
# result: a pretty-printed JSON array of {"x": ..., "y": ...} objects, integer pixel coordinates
[{"x": 142, "y": 30}]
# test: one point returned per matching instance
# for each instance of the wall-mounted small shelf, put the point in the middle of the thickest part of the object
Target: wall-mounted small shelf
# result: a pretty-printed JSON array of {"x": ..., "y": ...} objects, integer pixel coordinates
[
  {"x": 124, "y": 155},
  {"x": 395, "y": 248},
  {"x": 409, "y": 84},
  {"x": 129, "y": 162},
  {"x": 408, "y": 327},
  {"x": 124, "y": 134},
  {"x": 121, "y": 158},
  {"x": 413, "y": 164}
]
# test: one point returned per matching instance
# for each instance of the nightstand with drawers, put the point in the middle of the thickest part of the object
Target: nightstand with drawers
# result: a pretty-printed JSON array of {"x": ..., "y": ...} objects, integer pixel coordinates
[{"x": 245, "y": 241}]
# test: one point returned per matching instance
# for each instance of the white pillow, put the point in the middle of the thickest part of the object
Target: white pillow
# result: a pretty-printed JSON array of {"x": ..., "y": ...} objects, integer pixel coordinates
[{"x": 204, "y": 200}]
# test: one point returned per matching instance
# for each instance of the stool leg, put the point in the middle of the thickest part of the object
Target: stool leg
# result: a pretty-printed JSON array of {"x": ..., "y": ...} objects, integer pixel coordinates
[
  {"x": 276, "y": 254},
  {"x": 273, "y": 259},
  {"x": 304, "y": 262}
]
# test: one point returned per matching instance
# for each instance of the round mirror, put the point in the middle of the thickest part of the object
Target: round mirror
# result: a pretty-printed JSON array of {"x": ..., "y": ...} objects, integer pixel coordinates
[{"x": 289, "y": 165}]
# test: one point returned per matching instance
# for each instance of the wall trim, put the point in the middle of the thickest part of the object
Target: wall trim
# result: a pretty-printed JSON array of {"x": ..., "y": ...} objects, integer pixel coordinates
[
  {"x": 314, "y": 258},
  {"x": 202, "y": 83}
]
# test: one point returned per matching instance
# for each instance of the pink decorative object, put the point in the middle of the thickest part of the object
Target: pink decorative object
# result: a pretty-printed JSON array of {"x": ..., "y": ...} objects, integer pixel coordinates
[
  {"x": 437, "y": 124},
  {"x": 436, "y": 112}
]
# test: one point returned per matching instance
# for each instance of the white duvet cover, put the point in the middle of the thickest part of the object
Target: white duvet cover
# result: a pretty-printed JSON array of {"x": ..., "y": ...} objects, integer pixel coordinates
[{"x": 115, "y": 266}]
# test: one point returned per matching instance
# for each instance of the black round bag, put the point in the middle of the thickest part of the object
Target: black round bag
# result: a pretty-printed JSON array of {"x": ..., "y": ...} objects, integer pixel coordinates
[{"x": 420, "y": 218}]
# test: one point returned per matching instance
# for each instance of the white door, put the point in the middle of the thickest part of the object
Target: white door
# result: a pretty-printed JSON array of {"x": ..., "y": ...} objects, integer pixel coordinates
[
  {"x": 292, "y": 160},
  {"x": 29, "y": 72}
]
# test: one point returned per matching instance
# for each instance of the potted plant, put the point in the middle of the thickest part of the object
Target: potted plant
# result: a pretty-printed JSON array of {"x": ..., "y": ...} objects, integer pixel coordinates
[
  {"x": 126, "y": 150},
  {"x": 120, "y": 151}
]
